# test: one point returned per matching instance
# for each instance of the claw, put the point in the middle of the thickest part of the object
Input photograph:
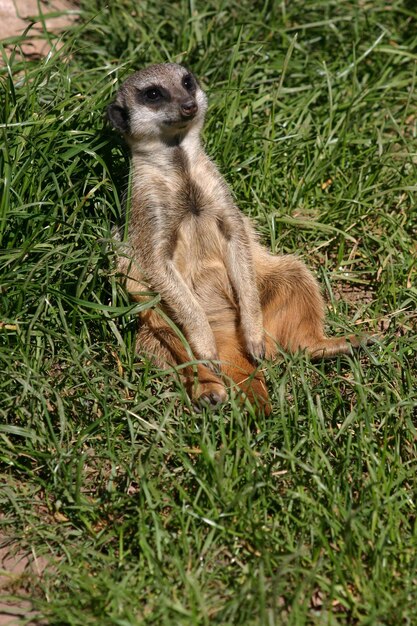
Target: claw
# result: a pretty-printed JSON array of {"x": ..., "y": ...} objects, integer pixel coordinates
[
  {"x": 214, "y": 367},
  {"x": 210, "y": 399},
  {"x": 257, "y": 353}
]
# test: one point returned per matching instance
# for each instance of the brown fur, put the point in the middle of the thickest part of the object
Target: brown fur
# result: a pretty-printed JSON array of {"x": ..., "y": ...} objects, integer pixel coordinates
[{"x": 234, "y": 302}]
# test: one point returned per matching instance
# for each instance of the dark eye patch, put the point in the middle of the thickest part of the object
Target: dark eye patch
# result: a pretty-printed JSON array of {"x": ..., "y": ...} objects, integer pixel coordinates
[
  {"x": 189, "y": 83},
  {"x": 152, "y": 95}
]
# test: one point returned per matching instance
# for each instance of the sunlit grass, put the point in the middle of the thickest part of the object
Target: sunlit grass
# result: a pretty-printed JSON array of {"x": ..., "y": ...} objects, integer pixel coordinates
[{"x": 149, "y": 512}]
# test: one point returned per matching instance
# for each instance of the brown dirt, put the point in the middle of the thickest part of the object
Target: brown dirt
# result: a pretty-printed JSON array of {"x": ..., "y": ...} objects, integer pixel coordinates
[
  {"x": 18, "y": 570},
  {"x": 17, "y": 15}
]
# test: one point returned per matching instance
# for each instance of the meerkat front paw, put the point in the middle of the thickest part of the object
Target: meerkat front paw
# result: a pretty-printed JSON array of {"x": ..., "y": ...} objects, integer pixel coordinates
[
  {"x": 254, "y": 336},
  {"x": 256, "y": 348},
  {"x": 205, "y": 349}
]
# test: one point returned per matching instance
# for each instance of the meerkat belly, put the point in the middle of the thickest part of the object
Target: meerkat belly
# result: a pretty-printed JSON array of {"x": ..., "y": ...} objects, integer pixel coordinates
[{"x": 199, "y": 257}]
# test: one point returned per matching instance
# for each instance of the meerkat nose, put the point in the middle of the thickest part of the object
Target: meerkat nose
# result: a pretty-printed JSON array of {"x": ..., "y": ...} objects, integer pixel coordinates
[{"x": 188, "y": 108}]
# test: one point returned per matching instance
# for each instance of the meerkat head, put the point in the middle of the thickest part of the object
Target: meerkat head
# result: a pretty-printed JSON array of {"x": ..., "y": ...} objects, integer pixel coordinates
[{"x": 162, "y": 101}]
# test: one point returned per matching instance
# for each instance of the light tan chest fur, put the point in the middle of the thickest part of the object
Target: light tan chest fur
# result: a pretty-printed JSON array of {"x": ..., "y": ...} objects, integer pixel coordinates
[{"x": 190, "y": 210}]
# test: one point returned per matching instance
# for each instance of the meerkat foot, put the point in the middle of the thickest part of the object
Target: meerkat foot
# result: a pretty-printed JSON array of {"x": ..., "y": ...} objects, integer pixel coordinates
[
  {"x": 209, "y": 394},
  {"x": 333, "y": 346}
]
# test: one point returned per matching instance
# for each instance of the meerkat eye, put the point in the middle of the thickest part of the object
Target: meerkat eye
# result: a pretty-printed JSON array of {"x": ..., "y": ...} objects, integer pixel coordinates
[
  {"x": 188, "y": 82},
  {"x": 153, "y": 94}
]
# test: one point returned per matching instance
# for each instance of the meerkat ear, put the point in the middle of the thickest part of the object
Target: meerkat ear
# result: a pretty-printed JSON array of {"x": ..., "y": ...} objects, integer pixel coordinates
[{"x": 118, "y": 117}]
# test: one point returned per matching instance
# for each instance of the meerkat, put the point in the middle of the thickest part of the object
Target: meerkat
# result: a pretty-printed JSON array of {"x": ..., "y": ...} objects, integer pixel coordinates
[{"x": 234, "y": 302}]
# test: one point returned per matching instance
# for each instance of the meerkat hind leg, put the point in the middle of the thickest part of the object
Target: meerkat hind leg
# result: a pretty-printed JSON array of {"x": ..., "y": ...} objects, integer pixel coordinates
[
  {"x": 293, "y": 310},
  {"x": 159, "y": 341},
  {"x": 236, "y": 367}
]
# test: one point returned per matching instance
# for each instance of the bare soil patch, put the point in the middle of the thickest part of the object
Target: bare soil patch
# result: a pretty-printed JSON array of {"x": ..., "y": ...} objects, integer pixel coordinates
[
  {"x": 19, "y": 569},
  {"x": 17, "y": 15}
]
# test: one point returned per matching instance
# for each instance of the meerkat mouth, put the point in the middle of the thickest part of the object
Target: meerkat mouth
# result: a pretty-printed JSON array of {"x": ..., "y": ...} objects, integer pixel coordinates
[{"x": 179, "y": 123}]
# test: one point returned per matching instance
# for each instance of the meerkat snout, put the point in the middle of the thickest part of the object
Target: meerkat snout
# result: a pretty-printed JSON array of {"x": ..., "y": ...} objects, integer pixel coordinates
[{"x": 189, "y": 108}]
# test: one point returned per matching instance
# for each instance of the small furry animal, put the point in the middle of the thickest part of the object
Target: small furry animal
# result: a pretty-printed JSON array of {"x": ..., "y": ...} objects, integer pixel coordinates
[{"x": 233, "y": 301}]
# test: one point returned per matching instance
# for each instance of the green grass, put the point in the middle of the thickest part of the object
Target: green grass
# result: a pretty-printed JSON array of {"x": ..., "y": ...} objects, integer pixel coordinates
[{"x": 149, "y": 512}]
